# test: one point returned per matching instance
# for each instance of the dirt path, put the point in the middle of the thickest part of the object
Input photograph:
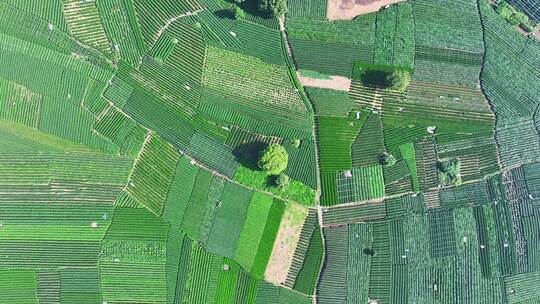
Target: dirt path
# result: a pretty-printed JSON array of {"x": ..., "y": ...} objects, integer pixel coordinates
[
  {"x": 335, "y": 82},
  {"x": 348, "y": 9},
  {"x": 285, "y": 245}
]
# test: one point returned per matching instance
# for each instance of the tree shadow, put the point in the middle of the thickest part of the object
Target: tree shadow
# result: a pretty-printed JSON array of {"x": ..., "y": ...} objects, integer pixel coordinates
[
  {"x": 247, "y": 154},
  {"x": 224, "y": 14},
  {"x": 375, "y": 78},
  {"x": 251, "y": 7}
]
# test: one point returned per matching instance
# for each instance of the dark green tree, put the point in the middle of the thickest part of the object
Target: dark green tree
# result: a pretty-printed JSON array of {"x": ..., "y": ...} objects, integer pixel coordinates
[
  {"x": 388, "y": 160},
  {"x": 276, "y": 8},
  {"x": 449, "y": 172},
  {"x": 238, "y": 13},
  {"x": 282, "y": 181}
]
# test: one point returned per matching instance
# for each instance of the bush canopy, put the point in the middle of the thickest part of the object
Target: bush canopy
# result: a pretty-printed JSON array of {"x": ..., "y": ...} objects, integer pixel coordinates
[{"x": 274, "y": 159}]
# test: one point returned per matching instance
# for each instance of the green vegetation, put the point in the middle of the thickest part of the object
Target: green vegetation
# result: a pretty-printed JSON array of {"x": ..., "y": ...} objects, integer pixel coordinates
[
  {"x": 268, "y": 238},
  {"x": 307, "y": 277},
  {"x": 449, "y": 172},
  {"x": 257, "y": 179},
  {"x": 166, "y": 152},
  {"x": 276, "y": 8},
  {"x": 398, "y": 80},
  {"x": 514, "y": 16},
  {"x": 273, "y": 159},
  {"x": 283, "y": 181},
  {"x": 238, "y": 13},
  {"x": 388, "y": 160},
  {"x": 383, "y": 76}
]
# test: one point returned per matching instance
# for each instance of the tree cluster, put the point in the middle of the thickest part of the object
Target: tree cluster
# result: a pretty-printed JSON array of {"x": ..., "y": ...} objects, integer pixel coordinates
[
  {"x": 397, "y": 80},
  {"x": 449, "y": 172},
  {"x": 275, "y": 8},
  {"x": 274, "y": 160},
  {"x": 388, "y": 160}
]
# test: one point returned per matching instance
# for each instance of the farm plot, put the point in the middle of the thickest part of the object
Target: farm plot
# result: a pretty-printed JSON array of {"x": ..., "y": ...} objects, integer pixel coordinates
[
  {"x": 341, "y": 215},
  {"x": 133, "y": 257},
  {"x": 302, "y": 164},
  {"x": 173, "y": 67},
  {"x": 152, "y": 19},
  {"x": 315, "y": 44},
  {"x": 51, "y": 11},
  {"x": 360, "y": 184},
  {"x": 252, "y": 231},
  {"x": 368, "y": 147},
  {"x": 309, "y": 273},
  {"x": 120, "y": 129},
  {"x": 268, "y": 293},
  {"x": 310, "y": 223},
  {"x": 153, "y": 173},
  {"x": 229, "y": 220},
  {"x": 153, "y": 112},
  {"x": 30, "y": 28},
  {"x": 314, "y": 9},
  {"x": 330, "y": 102},
  {"x": 93, "y": 100},
  {"x": 19, "y": 104},
  {"x": 518, "y": 141},
  {"x": 120, "y": 25},
  {"x": 268, "y": 239},
  {"x": 437, "y": 49},
  {"x": 259, "y": 41},
  {"x": 435, "y": 27},
  {"x": 244, "y": 80},
  {"x": 380, "y": 269},
  {"x": 332, "y": 287},
  {"x": 520, "y": 69},
  {"x": 213, "y": 154},
  {"x": 179, "y": 192},
  {"x": 397, "y": 178},
  {"x": 84, "y": 23},
  {"x": 394, "y": 36},
  {"x": 18, "y": 286},
  {"x": 221, "y": 112},
  {"x": 79, "y": 285},
  {"x": 335, "y": 136},
  {"x": 286, "y": 243},
  {"x": 195, "y": 210},
  {"x": 63, "y": 222}
]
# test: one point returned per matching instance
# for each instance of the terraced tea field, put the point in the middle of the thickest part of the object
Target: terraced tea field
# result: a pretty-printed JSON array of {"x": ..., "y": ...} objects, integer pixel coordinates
[{"x": 167, "y": 152}]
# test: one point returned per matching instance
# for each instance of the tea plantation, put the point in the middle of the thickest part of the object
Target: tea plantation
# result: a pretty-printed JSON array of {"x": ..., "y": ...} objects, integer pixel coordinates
[{"x": 255, "y": 151}]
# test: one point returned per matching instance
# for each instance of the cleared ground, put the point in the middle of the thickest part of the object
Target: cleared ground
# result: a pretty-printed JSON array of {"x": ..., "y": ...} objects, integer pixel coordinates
[
  {"x": 335, "y": 82},
  {"x": 348, "y": 9}
]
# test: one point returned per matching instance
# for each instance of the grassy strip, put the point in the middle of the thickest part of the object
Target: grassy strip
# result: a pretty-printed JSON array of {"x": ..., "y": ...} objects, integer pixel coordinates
[
  {"x": 307, "y": 277},
  {"x": 408, "y": 154},
  {"x": 268, "y": 238},
  {"x": 252, "y": 231}
]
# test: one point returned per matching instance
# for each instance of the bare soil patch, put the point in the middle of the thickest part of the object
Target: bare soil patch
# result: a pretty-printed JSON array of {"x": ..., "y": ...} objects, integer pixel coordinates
[
  {"x": 286, "y": 241},
  {"x": 335, "y": 82},
  {"x": 348, "y": 9}
]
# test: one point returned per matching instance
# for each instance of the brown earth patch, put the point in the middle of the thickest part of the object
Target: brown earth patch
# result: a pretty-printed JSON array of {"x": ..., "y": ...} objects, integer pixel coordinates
[
  {"x": 348, "y": 9},
  {"x": 286, "y": 241},
  {"x": 335, "y": 82}
]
